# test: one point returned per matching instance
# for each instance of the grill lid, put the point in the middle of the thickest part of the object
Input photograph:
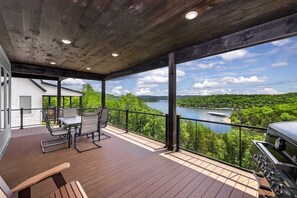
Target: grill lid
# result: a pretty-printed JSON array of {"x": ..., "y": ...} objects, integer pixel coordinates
[{"x": 285, "y": 130}]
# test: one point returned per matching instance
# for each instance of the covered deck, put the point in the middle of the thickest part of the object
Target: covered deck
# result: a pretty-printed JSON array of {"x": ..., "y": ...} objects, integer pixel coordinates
[{"x": 127, "y": 165}]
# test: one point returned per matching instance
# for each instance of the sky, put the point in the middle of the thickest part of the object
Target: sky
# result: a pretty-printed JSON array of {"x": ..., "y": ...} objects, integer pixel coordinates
[{"x": 269, "y": 68}]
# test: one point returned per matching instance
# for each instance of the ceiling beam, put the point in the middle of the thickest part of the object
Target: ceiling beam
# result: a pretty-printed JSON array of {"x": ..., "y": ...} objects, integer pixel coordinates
[
  {"x": 21, "y": 75},
  {"x": 274, "y": 30},
  {"x": 19, "y": 69}
]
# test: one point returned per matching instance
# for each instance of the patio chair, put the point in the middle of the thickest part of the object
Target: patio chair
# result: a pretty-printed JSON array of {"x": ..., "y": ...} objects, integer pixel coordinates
[
  {"x": 89, "y": 126},
  {"x": 61, "y": 133},
  {"x": 68, "y": 112},
  {"x": 24, "y": 189},
  {"x": 103, "y": 120}
]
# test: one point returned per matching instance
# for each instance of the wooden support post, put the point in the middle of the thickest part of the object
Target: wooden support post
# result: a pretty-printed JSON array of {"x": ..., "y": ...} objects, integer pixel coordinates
[
  {"x": 70, "y": 101},
  {"x": 172, "y": 102},
  {"x": 80, "y": 104},
  {"x": 103, "y": 90},
  {"x": 49, "y": 101},
  {"x": 58, "y": 98},
  {"x": 63, "y": 102}
]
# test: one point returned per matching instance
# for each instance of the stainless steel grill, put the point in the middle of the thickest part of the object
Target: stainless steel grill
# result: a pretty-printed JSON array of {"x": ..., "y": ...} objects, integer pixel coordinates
[{"x": 275, "y": 159}]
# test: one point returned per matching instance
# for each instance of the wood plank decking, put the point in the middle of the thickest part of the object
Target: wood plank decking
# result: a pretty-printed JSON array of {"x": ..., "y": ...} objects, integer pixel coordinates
[{"x": 127, "y": 165}]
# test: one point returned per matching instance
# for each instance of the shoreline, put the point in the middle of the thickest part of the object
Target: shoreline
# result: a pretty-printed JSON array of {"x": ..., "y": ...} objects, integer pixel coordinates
[{"x": 226, "y": 120}]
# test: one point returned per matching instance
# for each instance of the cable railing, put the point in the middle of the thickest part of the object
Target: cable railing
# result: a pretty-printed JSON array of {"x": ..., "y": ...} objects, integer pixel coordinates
[
  {"x": 147, "y": 124},
  {"x": 225, "y": 142}
]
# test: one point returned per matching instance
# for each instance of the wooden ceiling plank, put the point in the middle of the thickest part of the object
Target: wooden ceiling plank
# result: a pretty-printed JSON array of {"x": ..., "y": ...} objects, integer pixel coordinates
[
  {"x": 270, "y": 31},
  {"x": 213, "y": 28},
  {"x": 31, "y": 11},
  {"x": 5, "y": 39},
  {"x": 50, "y": 30},
  {"x": 202, "y": 23},
  {"x": 12, "y": 15}
]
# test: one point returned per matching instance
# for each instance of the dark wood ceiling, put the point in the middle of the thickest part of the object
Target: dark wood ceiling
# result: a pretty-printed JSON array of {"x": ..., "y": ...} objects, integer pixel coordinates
[{"x": 139, "y": 30}]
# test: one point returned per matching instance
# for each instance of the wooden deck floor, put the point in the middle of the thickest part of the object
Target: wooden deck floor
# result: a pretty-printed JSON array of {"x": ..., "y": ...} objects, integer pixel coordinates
[{"x": 127, "y": 165}]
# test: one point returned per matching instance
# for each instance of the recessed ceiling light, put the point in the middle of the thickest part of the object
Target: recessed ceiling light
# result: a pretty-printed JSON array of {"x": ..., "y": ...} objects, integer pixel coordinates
[
  {"x": 88, "y": 68},
  {"x": 65, "y": 41},
  {"x": 191, "y": 15},
  {"x": 52, "y": 63},
  {"x": 115, "y": 54}
]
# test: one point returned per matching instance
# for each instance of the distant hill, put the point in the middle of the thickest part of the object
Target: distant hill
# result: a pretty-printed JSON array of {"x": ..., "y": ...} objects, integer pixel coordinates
[
  {"x": 156, "y": 98},
  {"x": 236, "y": 101}
]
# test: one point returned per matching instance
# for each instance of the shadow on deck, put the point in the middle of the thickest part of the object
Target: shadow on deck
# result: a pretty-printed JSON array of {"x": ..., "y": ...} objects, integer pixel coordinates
[{"x": 127, "y": 165}]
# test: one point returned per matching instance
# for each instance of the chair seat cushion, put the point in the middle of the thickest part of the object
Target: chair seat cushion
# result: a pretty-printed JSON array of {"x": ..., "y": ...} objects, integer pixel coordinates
[
  {"x": 59, "y": 131},
  {"x": 70, "y": 190}
]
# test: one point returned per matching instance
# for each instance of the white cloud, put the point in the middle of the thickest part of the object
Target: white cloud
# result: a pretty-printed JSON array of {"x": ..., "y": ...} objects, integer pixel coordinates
[
  {"x": 206, "y": 84},
  {"x": 143, "y": 91},
  {"x": 73, "y": 81},
  {"x": 117, "y": 90},
  {"x": 280, "y": 64},
  {"x": 228, "y": 80},
  {"x": 210, "y": 65},
  {"x": 233, "y": 55},
  {"x": 157, "y": 76},
  {"x": 243, "y": 80},
  {"x": 146, "y": 85},
  {"x": 269, "y": 90},
  {"x": 281, "y": 42}
]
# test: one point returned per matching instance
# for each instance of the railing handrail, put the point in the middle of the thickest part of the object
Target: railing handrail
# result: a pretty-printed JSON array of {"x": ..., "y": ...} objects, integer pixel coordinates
[
  {"x": 224, "y": 123},
  {"x": 139, "y": 112}
]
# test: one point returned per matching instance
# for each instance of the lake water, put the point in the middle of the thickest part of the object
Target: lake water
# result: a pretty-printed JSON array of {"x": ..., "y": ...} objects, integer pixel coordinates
[{"x": 201, "y": 114}]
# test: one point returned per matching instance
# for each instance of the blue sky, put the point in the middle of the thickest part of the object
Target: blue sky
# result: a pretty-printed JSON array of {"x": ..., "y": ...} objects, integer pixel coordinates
[{"x": 263, "y": 69}]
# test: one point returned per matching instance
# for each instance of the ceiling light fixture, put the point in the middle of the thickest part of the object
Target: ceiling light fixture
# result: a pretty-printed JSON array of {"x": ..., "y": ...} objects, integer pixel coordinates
[
  {"x": 191, "y": 15},
  {"x": 65, "y": 41},
  {"x": 52, "y": 63},
  {"x": 115, "y": 54},
  {"x": 88, "y": 68}
]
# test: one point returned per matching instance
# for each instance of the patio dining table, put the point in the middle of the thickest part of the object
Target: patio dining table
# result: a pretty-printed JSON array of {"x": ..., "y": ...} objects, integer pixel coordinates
[{"x": 70, "y": 122}]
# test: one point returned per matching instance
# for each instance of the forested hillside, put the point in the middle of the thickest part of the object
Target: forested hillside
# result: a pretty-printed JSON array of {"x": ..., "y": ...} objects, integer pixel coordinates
[{"x": 236, "y": 101}]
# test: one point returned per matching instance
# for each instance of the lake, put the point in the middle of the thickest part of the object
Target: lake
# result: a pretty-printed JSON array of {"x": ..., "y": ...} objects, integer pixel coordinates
[{"x": 201, "y": 114}]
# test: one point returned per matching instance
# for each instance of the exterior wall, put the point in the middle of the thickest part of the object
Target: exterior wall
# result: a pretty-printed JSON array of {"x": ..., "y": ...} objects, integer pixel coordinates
[{"x": 24, "y": 87}]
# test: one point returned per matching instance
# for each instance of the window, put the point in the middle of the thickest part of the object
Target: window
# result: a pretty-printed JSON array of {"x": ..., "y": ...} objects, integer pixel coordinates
[{"x": 25, "y": 103}]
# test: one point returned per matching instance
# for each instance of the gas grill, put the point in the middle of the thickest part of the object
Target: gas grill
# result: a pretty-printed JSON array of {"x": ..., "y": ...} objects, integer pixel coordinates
[{"x": 276, "y": 161}]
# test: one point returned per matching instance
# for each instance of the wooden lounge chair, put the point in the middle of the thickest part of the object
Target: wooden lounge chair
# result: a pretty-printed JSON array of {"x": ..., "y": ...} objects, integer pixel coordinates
[
  {"x": 72, "y": 189},
  {"x": 89, "y": 126},
  {"x": 61, "y": 133}
]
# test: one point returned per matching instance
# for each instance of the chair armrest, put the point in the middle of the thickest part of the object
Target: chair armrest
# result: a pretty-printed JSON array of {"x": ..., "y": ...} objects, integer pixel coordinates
[{"x": 40, "y": 177}]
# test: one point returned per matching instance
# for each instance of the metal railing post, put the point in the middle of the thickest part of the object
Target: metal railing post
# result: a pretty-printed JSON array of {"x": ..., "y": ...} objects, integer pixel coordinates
[
  {"x": 55, "y": 115},
  {"x": 240, "y": 149},
  {"x": 22, "y": 117},
  {"x": 166, "y": 130},
  {"x": 127, "y": 121},
  {"x": 177, "y": 132}
]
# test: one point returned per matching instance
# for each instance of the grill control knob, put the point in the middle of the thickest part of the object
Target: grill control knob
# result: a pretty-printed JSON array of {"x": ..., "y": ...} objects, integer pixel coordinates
[
  {"x": 262, "y": 164},
  {"x": 269, "y": 175}
]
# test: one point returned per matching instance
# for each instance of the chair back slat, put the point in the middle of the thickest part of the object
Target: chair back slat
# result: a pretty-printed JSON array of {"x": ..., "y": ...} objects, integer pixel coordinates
[
  {"x": 69, "y": 112},
  {"x": 47, "y": 122},
  {"x": 104, "y": 117},
  {"x": 5, "y": 191},
  {"x": 89, "y": 123}
]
